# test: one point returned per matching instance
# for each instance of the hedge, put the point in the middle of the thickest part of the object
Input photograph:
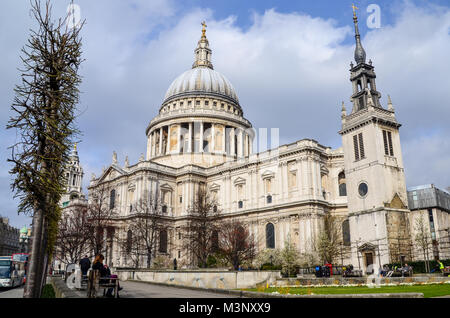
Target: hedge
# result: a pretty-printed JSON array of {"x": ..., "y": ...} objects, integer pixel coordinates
[{"x": 419, "y": 266}]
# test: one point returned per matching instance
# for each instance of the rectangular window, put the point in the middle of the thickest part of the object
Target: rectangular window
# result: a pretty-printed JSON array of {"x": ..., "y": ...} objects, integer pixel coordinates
[
  {"x": 355, "y": 144},
  {"x": 388, "y": 147},
  {"x": 385, "y": 140},
  {"x": 361, "y": 146},
  {"x": 391, "y": 148}
]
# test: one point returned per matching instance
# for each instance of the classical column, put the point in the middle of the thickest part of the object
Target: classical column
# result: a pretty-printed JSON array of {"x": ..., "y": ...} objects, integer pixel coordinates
[
  {"x": 190, "y": 139},
  {"x": 240, "y": 143},
  {"x": 149, "y": 147},
  {"x": 201, "y": 137},
  {"x": 246, "y": 143},
  {"x": 160, "y": 140},
  {"x": 179, "y": 139},
  {"x": 212, "y": 146},
  {"x": 224, "y": 139},
  {"x": 232, "y": 142},
  {"x": 168, "y": 139}
]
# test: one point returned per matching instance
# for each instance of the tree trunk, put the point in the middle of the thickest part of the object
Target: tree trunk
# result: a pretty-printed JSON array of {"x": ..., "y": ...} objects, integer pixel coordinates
[{"x": 34, "y": 275}]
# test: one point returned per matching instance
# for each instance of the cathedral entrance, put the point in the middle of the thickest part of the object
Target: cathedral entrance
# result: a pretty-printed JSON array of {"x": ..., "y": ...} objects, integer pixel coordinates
[
  {"x": 367, "y": 251},
  {"x": 369, "y": 262}
]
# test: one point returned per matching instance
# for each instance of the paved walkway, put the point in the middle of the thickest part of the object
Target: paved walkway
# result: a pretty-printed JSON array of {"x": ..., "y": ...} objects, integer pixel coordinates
[
  {"x": 11, "y": 292},
  {"x": 144, "y": 290}
]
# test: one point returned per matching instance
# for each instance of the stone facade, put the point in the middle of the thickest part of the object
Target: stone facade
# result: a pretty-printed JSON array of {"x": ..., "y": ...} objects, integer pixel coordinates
[
  {"x": 9, "y": 238},
  {"x": 201, "y": 139}
]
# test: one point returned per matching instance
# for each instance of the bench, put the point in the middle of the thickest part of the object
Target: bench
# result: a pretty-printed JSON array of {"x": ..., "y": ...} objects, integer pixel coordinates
[{"x": 95, "y": 282}]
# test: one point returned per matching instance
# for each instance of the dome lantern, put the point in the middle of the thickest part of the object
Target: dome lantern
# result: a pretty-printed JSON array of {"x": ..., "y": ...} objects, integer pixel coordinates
[{"x": 203, "y": 52}]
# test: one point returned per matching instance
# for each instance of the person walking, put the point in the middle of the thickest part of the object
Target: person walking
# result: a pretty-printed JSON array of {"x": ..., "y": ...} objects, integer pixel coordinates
[
  {"x": 85, "y": 264},
  {"x": 441, "y": 266}
]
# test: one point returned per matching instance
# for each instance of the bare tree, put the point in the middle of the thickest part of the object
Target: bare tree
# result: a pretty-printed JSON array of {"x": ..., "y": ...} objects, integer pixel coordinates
[
  {"x": 144, "y": 230},
  {"x": 329, "y": 239},
  {"x": 201, "y": 228},
  {"x": 236, "y": 245},
  {"x": 423, "y": 240},
  {"x": 44, "y": 107},
  {"x": 100, "y": 213},
  {"x": 72, "y": 240}
]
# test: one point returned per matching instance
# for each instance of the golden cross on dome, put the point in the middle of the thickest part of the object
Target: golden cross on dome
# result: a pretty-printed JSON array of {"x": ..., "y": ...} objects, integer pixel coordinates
[
  {"x": 354, "y": 9},
  {"x": 204, "y": 28}
]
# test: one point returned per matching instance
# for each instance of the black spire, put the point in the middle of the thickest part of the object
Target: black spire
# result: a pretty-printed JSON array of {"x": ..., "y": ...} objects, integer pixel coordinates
[{"x": 360, "y": 54}]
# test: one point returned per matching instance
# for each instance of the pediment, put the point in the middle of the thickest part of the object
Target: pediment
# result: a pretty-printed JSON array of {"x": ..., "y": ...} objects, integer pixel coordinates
[
  {"x": 110, "y": 174},
  {"x": 268, "y": 175},
  {"x": 324, "y": 170},
  {"x": 367, "y": 247},
  {"x": 214, "y": 187},
  {"x": 166, "y": 187},
  {"x": 239, "y": 180}
]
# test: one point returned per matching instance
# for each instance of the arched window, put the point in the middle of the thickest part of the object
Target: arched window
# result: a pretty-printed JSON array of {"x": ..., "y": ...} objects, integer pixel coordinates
[
  {"x": 240, "y": 239},
  {"x": 163, "y": 241},
  {"x": 129, "y": 241},
  {"x": 346, "y": 233},
  {"x": 342, "y": 185},
  {"x": 112, "y": 199},
  {"x": 215, "y": 241},
  {"x": 270, "y": 236}
]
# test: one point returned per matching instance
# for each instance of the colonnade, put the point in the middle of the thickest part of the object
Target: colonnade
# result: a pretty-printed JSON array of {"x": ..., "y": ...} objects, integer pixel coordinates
[{"x": 199, "y": 137}]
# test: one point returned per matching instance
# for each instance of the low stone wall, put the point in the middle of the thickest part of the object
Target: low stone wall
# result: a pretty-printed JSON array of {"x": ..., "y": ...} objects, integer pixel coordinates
[
  {"x": 201, "y": 279},
  {"x": 61, "y": 289},
  {"x": 342, "y": 281}
]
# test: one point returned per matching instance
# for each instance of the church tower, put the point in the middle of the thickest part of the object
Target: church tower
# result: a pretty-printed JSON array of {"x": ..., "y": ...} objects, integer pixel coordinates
[
  {"x": 376, "y": 189},
  {"x": 74, "y": 179}
]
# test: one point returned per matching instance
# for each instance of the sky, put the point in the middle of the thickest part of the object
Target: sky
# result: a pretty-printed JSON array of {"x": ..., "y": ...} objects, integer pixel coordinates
[{"x": 288, "y": 61}]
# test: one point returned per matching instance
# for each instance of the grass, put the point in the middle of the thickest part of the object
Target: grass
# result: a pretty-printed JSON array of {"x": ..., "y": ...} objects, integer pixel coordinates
[{"x": 428, "y": 291}]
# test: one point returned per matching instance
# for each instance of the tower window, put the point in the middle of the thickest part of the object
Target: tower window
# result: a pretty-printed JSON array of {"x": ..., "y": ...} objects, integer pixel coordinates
[
  {"x": 342, "y": 185},
  {"x": 355, "y": 144},
  {"x": 387, "y": 139},
  {"x": 358, "y": 144},
  {"x": 361, "y": 146}
]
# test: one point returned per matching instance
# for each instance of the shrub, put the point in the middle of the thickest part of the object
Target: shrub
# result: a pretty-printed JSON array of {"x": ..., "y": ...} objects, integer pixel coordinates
[
  {"x": 211, "y": 262},
  {"x": 271, "y": 267},
  {"x": 48, "y": 292},
  {"x": 419, "y": 266}
]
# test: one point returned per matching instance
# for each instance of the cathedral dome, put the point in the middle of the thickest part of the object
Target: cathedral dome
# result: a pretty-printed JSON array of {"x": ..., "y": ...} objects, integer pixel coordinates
[{"x": 201, "y": 80}]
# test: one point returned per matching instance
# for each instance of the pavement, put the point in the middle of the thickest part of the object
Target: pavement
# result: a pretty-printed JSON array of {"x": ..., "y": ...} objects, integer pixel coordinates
[
  {"x": 144, "y": 290},
  {"x": 16, "y": 292}
]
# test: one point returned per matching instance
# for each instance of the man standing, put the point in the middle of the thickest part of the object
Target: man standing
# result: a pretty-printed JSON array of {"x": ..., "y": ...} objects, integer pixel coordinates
[{"x": 85, "y": 264}]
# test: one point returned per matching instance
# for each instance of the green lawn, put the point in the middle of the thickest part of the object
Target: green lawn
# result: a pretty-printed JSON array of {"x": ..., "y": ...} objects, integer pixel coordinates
[{"x": 427, "y": 290}]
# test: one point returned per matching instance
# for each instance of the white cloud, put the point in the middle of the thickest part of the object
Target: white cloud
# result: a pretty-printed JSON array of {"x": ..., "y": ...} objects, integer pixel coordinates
[{"x": 290, "y": 71}]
